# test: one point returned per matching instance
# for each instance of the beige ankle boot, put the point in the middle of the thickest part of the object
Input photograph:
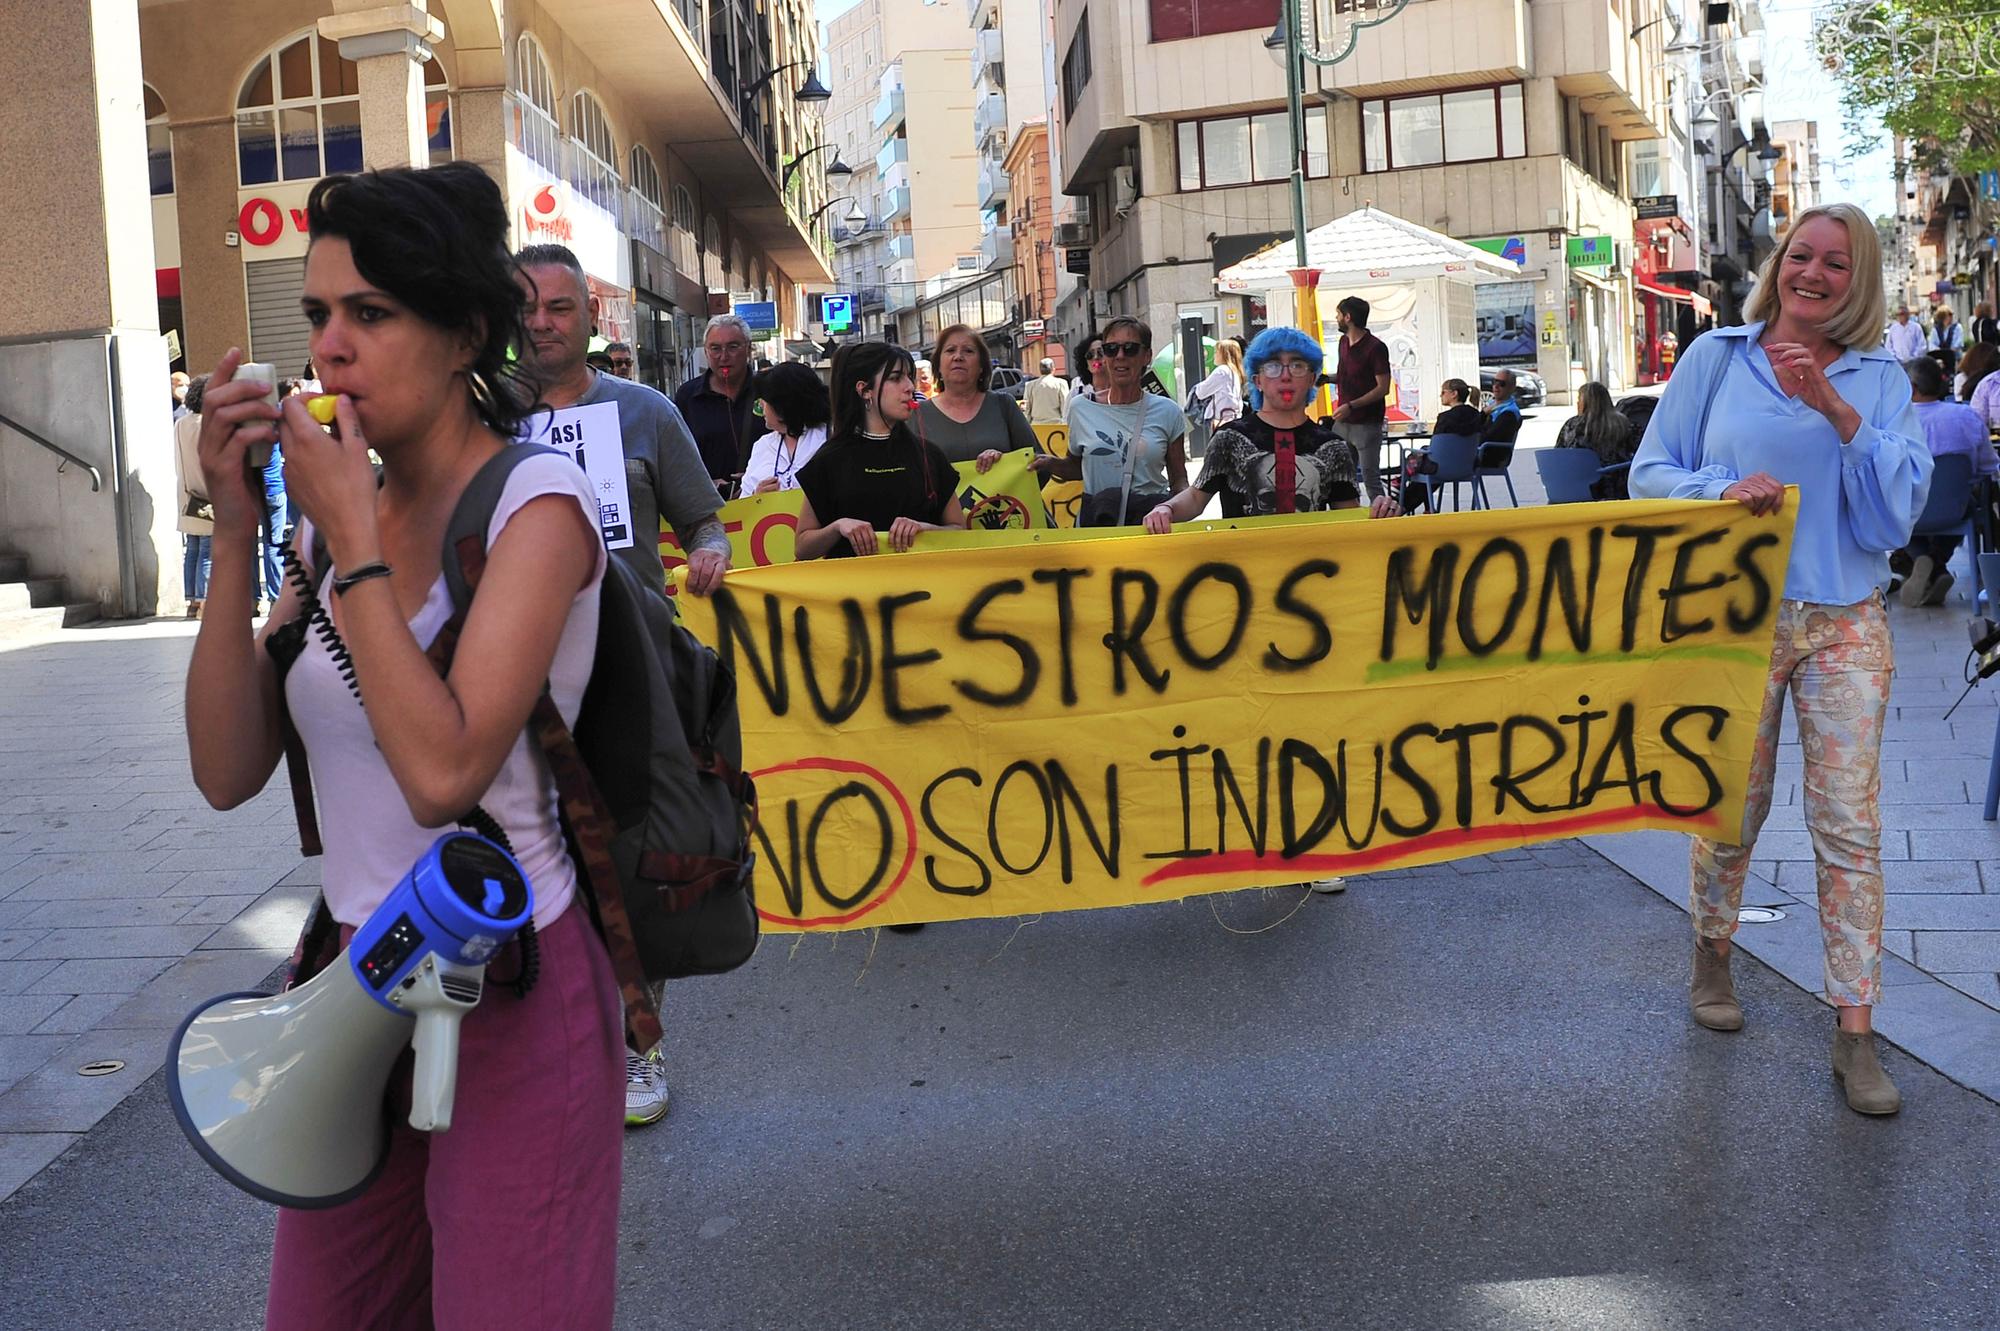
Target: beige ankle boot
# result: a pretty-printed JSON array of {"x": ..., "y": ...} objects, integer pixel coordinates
[
  {"x": 1711, "y": 995},
  {"x": 1859, "y": 1072}
]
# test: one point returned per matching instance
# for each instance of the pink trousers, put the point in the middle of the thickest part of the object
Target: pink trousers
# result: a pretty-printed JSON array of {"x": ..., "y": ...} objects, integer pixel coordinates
[{"x": 510, "y": 1218}]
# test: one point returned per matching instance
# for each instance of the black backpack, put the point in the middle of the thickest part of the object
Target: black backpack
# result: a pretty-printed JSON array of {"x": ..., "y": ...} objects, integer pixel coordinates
[{"x": 650, "y": 784}]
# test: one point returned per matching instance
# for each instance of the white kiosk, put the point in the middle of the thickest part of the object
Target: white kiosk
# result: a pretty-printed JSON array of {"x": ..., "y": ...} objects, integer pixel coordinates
[{"x": 1418, "y": 285}]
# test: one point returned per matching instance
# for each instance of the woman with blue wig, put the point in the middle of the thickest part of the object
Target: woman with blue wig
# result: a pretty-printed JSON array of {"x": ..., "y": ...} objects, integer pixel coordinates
[{"x": 1276, "y": 460}]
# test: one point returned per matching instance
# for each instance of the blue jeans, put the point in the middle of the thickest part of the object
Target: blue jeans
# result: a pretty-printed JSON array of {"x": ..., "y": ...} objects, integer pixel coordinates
[
  {"x": 272, "y": 566},
  {"x": 194, "y": 566}
]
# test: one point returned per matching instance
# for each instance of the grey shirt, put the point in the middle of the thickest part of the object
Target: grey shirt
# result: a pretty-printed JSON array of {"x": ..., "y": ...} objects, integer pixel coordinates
[
  {"x": 999, "y": 425},
  {"x": 664, "y": 474}
]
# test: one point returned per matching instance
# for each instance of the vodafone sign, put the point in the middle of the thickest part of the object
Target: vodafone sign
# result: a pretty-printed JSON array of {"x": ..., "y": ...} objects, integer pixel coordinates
[
  {"x": 545, "y": 216},
  {"x": 271, "y": 220}
]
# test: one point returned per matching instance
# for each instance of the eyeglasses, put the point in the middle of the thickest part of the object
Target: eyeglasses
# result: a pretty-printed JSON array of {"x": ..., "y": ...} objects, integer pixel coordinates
[
  {"x": 621, "y": 362},
  {"x": 1272, "y": 369},
  {"x": 1116, "y": 349}
]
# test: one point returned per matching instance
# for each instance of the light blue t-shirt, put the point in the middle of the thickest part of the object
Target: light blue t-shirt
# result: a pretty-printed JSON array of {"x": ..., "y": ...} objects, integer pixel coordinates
[
  {"x": 1100, "y": 434},
  {"x": 1857, "y": 500}
]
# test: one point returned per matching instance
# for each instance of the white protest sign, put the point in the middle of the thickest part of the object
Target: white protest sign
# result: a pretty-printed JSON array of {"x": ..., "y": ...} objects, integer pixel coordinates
[{"x": 591, "y": 436}]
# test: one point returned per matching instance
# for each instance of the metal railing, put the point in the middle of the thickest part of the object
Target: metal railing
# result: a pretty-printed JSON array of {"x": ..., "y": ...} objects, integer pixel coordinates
[{"x": 96, "y": 477}]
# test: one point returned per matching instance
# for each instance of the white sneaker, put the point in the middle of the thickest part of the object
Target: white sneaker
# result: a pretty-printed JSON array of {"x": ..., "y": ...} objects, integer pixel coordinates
[
  {"x": 1911, "y": 593},
  {"x": 645, "y": 1089},
  {"x": 1328, "y": 886}
]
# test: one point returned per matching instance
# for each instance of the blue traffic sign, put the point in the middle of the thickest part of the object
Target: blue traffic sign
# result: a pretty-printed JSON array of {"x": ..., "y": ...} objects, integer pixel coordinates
[
  {"x": 760, "y": 315},
  {"x": 837, "y": 312}
]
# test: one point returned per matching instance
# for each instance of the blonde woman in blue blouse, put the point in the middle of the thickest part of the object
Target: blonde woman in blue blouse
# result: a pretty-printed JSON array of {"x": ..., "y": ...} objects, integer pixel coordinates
[{"x": 1801, "y": 395}]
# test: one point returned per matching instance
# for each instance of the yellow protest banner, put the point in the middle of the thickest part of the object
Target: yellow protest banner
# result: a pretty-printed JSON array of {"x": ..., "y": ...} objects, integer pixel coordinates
[
  {"x": 948, "y": 735},
  {"x": 1003, "y": 498},
  {"x": 1063, "y": 498},
  {"x": 763, "y": 529}
]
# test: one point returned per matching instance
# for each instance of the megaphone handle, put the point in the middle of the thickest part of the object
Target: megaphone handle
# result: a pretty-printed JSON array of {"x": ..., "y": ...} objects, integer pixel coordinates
[{"x": 435, "y": 1081}]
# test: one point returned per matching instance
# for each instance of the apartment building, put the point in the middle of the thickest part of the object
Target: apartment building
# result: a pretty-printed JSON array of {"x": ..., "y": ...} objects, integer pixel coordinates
[
  {"x": 1495, "y": 121},
  {"x": 1795, "y": 175},
  {"x": 902, "y": 118}
]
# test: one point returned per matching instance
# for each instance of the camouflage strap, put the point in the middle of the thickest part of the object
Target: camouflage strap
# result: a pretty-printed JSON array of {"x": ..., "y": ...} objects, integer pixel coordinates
[
  {"x": 591, "y": 828},
  {"x": 584, "y": 815},
  {"x": 318, "y": 946}
]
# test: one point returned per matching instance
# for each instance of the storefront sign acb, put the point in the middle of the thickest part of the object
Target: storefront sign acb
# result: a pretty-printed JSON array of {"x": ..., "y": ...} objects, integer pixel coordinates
[{"x": 1651, "y": 207}]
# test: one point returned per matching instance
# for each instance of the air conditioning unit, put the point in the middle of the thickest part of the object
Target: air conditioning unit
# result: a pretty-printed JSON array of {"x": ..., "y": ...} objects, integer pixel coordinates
[
  {"x": 1073, "y": 235},
  {"x": 1124, "y": 189}
]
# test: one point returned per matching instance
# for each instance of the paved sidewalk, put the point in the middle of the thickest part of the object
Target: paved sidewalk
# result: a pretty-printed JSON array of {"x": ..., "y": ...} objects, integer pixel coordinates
[{"x": 124, "y": 899}]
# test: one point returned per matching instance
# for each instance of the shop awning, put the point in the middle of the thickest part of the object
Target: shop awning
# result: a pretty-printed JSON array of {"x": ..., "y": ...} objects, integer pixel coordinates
[
  {"x": 1363, "y": 247},
  {"x": 1694, "y": 298}
]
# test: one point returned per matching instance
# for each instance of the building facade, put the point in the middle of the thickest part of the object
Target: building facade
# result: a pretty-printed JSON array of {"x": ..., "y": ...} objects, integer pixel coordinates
[
  {"x": 902, "y": 117},
  {"x": 1494, "y": 121},
  {"x": 660, "y": 147},
  {"x": 670, "y": 145}
]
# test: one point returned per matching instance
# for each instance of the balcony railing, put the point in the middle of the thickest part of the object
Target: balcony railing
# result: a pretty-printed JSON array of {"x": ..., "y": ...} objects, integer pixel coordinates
[
  {"x": 644, "y": 222},
  {"x": 895, "y": 150},
  {"x": 993, "y": 184},
  {"x": 996, "y": 249},
  {"x": 902, "y": 247},
  {"x": 989, "y": 117},
  {"x": 987, "y": 58},
  {"x": 889, "y": 110},
  {"x": 897, "y": 177},
  {"x": 981, "y": 13},
  {"x": 895, "y": 204}
]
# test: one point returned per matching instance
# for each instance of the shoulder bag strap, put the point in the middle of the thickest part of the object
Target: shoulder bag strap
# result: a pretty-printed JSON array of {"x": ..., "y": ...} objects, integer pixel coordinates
[
  {"x": 1132, "y": 448},
  {"x": 1715, "y": 379}
]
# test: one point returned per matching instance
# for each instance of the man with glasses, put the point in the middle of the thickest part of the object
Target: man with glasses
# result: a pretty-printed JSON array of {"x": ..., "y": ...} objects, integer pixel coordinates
[
  {"x": 716, "y": 402},
  {"x": 1361, "y": 379},
  {"x": 621, "y": 359},
  {"x": 1128, "y": 446}
]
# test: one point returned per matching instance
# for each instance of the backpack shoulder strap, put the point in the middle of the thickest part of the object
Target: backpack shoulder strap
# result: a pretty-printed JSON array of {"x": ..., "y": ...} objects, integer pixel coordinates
[
  {"x": 474, "y": 514},
  {"x": 584, "y": 813}
]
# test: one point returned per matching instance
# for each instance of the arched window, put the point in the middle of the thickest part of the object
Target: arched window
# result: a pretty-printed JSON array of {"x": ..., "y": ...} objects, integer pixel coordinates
[
  {"x": 437, "y": 111},
  {"x": 298, "y": 115},
  {"x": 159, "y": 144},
  {"x": 682, "y": 248},
  {"x": 536, "y": 132},
  {"x": 596, "y": 174},
  {"x": 712, "y": 275},
  {"x": 647, "y": 224},
  {"x": 736, "y": 272},
  {"x": 646, "y": 177}
]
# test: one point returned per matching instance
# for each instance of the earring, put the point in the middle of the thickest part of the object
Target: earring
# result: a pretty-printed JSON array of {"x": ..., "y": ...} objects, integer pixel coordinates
[{"x": 482, "y": 393}]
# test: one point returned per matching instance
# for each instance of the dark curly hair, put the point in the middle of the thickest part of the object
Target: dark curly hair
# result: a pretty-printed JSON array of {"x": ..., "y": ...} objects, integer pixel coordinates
[
  {"x": 436, "y": 240},
  {"x": 793, "y": 391}
]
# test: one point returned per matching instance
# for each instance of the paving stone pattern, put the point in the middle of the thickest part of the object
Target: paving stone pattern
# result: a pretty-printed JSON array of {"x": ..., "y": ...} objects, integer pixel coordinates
[{"x": 124, "y": 899}]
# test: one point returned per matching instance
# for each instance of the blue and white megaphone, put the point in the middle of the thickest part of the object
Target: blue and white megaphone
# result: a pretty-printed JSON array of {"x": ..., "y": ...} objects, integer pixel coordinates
[{"x": 285, "y": 1095}]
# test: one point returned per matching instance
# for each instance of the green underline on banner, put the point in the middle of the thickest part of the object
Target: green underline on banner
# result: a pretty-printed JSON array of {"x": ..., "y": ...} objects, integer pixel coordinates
[{"x": 1382, "y": 670}]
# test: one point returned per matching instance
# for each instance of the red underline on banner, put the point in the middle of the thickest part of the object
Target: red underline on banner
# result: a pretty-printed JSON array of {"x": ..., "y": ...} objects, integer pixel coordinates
[{"x": 1239, "y": 862}]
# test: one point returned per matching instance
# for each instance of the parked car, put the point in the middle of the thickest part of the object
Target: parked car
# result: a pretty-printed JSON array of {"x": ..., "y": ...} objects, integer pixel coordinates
[
  {"x": 1009, "y": 381},
  {"x": 1529, "y": 390}
]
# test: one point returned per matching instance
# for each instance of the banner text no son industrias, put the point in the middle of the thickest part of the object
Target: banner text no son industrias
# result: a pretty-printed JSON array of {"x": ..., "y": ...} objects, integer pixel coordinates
[{"x": 1022, "y": 727}]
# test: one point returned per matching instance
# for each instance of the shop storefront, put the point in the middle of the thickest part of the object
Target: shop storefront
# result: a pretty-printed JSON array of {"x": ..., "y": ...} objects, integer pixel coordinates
[
  {"x": 666, "y": 329},
  {"x": 1667, "y": 315}
]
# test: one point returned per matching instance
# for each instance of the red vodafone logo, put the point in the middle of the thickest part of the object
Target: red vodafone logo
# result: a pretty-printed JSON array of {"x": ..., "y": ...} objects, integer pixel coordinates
[
  {"x": 546, "y": 213},
  {"x": 262, "y": 222}
]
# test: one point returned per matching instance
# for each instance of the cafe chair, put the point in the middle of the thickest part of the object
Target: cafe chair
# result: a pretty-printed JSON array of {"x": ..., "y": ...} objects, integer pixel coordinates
[
  {"x": 1568, "y": 473},
  {"x": 1457, "y": 459}
]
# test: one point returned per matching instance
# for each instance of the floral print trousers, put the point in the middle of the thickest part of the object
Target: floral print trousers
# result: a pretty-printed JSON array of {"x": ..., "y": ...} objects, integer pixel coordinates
[{"x": 1837, "y": 661}]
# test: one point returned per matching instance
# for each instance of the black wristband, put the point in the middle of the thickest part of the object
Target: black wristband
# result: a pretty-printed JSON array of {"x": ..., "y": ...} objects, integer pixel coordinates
[{"x": 342, "y": 581}]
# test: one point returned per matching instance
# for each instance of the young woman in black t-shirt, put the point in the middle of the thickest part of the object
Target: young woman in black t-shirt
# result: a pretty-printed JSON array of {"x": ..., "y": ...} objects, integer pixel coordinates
[{"x": 873, "y": 474}]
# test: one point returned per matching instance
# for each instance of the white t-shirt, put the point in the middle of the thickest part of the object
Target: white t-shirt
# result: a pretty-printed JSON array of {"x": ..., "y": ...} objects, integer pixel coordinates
[
  {"x": 769, "y": 458},
  {"x": 1102, "y": 435},
  {"x": 371, "y": 839}
]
